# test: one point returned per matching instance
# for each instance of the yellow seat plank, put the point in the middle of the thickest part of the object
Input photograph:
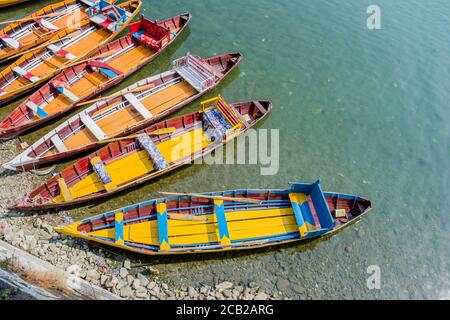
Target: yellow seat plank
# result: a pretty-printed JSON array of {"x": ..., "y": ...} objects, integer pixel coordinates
[{"x": 65, "y": 192}]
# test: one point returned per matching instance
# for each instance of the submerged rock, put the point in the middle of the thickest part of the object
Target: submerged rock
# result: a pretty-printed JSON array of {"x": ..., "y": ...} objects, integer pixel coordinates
[{"x": 224, "y": 285}]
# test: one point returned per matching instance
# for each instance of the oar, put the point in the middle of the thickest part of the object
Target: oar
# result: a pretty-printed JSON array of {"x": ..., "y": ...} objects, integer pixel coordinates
[
  {"x": 104, "y": 55},
  {"x": 186, "y": 217},
  {"x": 50, "y": 15},
  {"x": 70, "y": 36},
  {"x": 117, "y": 94},
  {"x": 154, "y": 133},
  {"x": 198, "y": 195}
]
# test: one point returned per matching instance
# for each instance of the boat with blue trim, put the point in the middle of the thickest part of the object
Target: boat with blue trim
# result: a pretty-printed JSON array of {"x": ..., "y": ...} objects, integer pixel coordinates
[
  {"x": 67, "y": 47},
  {"x": 222, "y": 221}
]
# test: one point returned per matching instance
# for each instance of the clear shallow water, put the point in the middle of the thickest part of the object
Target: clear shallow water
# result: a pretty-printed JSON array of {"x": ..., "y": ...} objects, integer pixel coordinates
[{"x": 366, "y": 111}]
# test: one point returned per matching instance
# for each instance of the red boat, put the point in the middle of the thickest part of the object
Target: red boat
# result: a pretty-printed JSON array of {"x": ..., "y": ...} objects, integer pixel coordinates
[
  {"x": 132, "y": 109},
  {"x": 86, "y": 80}
]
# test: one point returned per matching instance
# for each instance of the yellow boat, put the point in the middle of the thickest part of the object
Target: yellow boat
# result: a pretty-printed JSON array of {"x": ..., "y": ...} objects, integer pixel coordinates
[
  {"x": 8, "y": 3},
  {"x": 65, "y": 49},
  {"x": 165, "y": 146},
  {"x": 25, "y": 33},
  {"x": 222, "y": 221}
]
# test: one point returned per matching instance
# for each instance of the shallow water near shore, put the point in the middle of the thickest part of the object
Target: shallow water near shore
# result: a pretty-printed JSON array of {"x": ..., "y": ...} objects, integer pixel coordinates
[{"x": 366, "y": 111}]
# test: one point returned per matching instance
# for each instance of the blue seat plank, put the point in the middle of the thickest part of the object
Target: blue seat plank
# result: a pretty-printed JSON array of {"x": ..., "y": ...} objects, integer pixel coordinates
[{"x": 163, "y": 227}]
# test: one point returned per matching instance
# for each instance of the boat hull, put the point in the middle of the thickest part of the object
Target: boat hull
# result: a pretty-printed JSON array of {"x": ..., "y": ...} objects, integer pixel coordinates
[
  {"x": 43, "y": 69},
  {"x": 8, "y": 3},
  {"x": 19, "y": 165},
  {"x": 33, "y": 42}
]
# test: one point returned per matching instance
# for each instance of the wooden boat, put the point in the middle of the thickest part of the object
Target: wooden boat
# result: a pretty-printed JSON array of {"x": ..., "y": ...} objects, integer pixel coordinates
[
  {"x": 135, "y": 107},
  {"x": 40, "y": 26},
  {"x": 85, "y": 80},
  {"x": 223, "y": 221},
  {"x": 133, "y": 160},
  {"x": 66, "y": 48},
  {"x": 8, "y": 3}
]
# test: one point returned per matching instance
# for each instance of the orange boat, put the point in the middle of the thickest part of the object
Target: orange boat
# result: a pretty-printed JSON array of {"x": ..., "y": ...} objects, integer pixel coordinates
[
  {"x": 30, "y": 31},
  {"x": 131, "y": 109},
  {"x": 83, "y": 81},
  {"x": 66, "y": 48}
]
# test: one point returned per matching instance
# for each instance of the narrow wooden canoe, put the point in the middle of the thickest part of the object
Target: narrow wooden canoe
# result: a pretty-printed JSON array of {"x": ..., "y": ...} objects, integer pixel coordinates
[
  {"x": 160, "y": 95},
  {"x": 186, "y": 224},
  {"x": 36, "y": 67},
  {"x": 84, "y": 81},
  {"x": 21, "y": 36},
  {"x": 8, "y": 3},
  {"x": 128, "y": 162}
]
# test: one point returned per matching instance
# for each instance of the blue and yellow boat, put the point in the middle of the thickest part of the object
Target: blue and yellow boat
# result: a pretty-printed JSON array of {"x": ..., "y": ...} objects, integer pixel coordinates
[{"x": 222, "y": 221}]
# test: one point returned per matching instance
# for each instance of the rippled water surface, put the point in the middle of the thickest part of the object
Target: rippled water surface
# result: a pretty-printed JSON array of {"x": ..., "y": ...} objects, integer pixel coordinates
[{"x": 366, "y": 111}]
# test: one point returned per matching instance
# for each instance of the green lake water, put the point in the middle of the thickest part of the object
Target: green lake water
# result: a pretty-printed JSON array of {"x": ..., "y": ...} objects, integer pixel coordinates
[{"x": 366, "y": 111}]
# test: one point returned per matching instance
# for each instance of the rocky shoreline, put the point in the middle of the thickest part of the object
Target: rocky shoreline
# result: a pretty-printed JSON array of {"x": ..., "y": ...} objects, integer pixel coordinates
[{"x": 35, "y": 235}]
